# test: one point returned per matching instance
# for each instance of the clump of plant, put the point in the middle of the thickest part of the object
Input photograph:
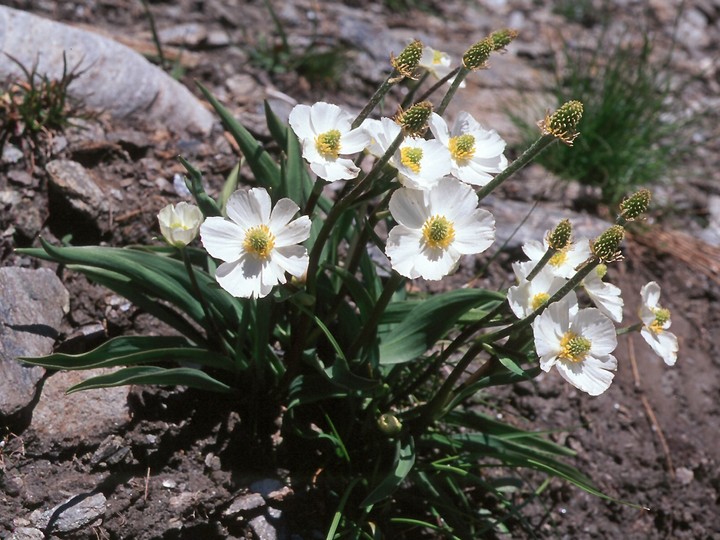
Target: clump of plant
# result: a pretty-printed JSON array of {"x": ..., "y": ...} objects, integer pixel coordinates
[
  {"x": 296, "y": 302},
  {"x": 38, "y": 106},
  {"x": 632, "y": 132},
  {"x": 317, "y": 62}
]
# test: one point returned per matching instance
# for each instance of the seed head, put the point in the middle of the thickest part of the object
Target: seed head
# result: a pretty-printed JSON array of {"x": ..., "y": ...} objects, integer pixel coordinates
[
  {"x": 503, "y": 38},
  {"x": 636, "y": 205},
  {"x": 476, "y": 56},
  {"x": 560, "y": 236},
  {"x": 606, "y": 247},
  {"x": 413, "y": 121},
  {"x": 406, "y": 62},
  {"x": 563, "y": 122}
]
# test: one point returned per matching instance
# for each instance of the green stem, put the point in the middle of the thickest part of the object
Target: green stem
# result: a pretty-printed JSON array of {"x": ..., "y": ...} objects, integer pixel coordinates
[
  {"x": 314, "y": 196},
  {"x": 549, "y": 254},
  {"x": 430, "y": 91},
  {"x": 375, "y": 99},
  {"x": 370, "y": 326},
  {"x": 462, "y": 73},
  {"x": 633, "y": 328},
  {"x": 538, "y": 146}
]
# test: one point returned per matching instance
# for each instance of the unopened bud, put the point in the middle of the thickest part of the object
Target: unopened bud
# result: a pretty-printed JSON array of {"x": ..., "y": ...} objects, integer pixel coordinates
[
  {"x": 503, "y": 38},
  {"x": 413, "y": 121},
  {"x": 563, "y": 123},
  {"x": 636, "y": 205},
  {"x": 559, "y": 237},
  {"x": 606, "y": 247},
  {"x": 476, "y": 56},
  {"x": 389, "y": 424},
  {"x": 406, "y": 62}
]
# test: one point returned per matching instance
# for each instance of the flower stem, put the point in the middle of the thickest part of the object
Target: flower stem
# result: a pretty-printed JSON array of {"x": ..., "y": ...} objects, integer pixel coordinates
[
  {"x": 438, "y": 84},
  {"x": 461, "y": 74},
  {"x": 375, "y": 99},
  {"x": 527, "y": 156},
  {"x": 370, "y": 326}
]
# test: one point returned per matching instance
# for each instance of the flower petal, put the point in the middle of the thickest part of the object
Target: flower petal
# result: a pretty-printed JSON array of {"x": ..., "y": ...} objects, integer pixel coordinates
[{"x": 222, "y": 239}]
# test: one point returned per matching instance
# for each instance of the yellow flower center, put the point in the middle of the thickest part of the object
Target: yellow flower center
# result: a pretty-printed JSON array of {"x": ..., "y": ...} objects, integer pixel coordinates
[
  {"x": 410, "y": 157},
  {"x": 539, "y": 299},
  {"x": 558, "y": 259},
  {"x": 437, "y": 57},
  {"x": 259, "y": 241},
  {"x": 438, "y": 232},
  {"x": 574, "y": 347},
  {"x": 462, "y": 147},
  {"x": 662, "y": 316},
  {"x": 328, "y": 144}
]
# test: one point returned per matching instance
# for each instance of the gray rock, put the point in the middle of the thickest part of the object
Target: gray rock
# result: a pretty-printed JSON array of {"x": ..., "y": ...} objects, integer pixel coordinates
[
  {"x": 71, "y": 515},
  {"x": 245, "y": 503},
  {"x": 115, "y": 79},
  {"x": 262, "y": 529},
  {"x": 88, "y": 416},
  {"x": 33, "y": 305},
  {"x": 77, "y": 187},
  {"x": 111, "y": 451},
  {"x": 26, "y": 533}
]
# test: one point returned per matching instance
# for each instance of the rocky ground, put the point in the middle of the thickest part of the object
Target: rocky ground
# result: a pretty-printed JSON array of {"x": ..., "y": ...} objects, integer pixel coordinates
[{"x": 146, "y": 463}]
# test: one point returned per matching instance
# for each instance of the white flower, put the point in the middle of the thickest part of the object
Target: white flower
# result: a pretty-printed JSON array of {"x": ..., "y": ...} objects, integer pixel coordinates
[
  {"x": 565, "y": 261},
  {"x": 605, "y": 296},
  {"x": 438, "y": 63},
  {"x": 475, "y": 151},
  {"x": 381, "y": 134},
  {"x": 179, "y": 224},
  {"x": 435, "y": 228},
  {"x": 258, "y": 245},
  {"x": 527, "y": 296},
  {"x": 420, "y": 163},
  {"x": 656, "y": 321},
  {"x": 325, "y": 134},
  {"x": 578, "y": 345}
]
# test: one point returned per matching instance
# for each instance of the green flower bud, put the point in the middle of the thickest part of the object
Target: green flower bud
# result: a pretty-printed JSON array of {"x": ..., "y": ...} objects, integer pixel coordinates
[
  {"x": 606, "y": 247},
  {"x": 476, "y": 56},
  {"x": 389, "y": 424},
  {"x": 406, "y": 62},
  {"x": 636, "y": 205},
  {"x": 414, "y": 120},
  {"x": 563, "y": 122},
  {"x": 559, "y": 237},
  {"x": 503, "y": 38}
]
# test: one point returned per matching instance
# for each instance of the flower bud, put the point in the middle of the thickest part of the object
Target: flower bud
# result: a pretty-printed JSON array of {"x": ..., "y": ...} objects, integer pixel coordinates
[
  {"x": 563, "y": 122},
  {"x": 503, "y": 38},
  {"x": 406, "y": 62},
  {"x": 636, "y": 205},
  {"x": 476, "y": 56},
  {"x": 389, "y": 424},
  {"x": 559, "y": 237},
  {"x": 179, "y": 224},
  {"x": 606, "y": 247},
  {"x": 413, "y": 121}
]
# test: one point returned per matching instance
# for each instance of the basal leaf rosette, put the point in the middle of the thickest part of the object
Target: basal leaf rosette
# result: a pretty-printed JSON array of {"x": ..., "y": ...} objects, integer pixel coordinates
[
  {"x": 435, "y": 228},
  {"x": 258, "y": 243}
]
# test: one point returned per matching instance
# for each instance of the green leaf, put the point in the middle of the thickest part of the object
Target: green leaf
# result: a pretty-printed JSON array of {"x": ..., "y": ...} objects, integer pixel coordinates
[
  {"x": 278, "y": 129},
  {"x": 229, "y": 188},
  {"x": 194, "y": 183},
  {"x": 131, "y": 350},
  {"x": 297, "y": 183},
  {"x": 402, "y": 465},
  {"x": 155, "y": 275},
  {"x": 193, "y": 378},
  {"x": 265, "y": 170},
  {"x": 426, "y": 323}
]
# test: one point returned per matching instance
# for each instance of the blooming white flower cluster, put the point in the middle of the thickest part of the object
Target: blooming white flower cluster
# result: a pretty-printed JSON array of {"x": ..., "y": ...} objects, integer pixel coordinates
[{"x": 578, "y": 342}]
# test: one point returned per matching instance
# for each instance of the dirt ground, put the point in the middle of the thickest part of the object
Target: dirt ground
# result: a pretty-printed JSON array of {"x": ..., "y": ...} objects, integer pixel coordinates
[{"x": 650, "y": 440}]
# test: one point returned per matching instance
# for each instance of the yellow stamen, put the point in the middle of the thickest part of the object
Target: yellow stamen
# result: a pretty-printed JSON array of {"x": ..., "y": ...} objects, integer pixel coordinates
[
  {"x": 558, "y": 259},
  {"x": 539, "y": 299},
  {"x": 328, "y": 144},
  {"x": 462, "y": 147},
  {"x": 437, "y": 57},
  {"x": 438, "y": 232},
  {"x": 259, "y": 241},
  {"x": 573, "y": 347},
  {"x": 662, "y": 316},
  {"x": 410, "y": 157}
]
